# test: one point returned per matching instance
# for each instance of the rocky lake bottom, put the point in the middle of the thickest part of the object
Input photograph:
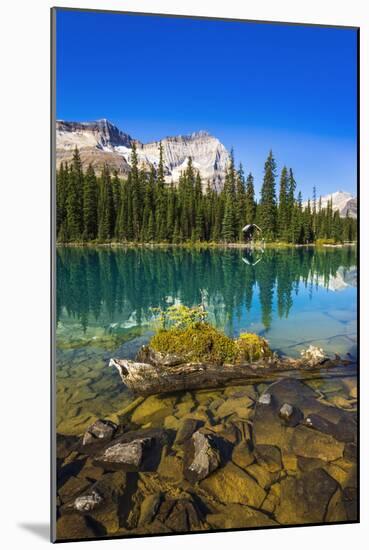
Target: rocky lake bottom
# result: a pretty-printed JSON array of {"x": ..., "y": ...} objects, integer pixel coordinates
[{"x": 248, "y": 456}]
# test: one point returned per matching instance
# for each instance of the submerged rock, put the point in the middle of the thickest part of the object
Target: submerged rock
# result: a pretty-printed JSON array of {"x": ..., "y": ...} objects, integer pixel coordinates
[
  {"x": 171, "y": 468},
  {"x": 73, "y": 526},
  {"x": 233, "y": 485},
  {"x": 101, "y": 430},
  {"x": 180, "y": 515},
  {"x": 149, "y": 507},
  {"x": 321, "y": 424},
  {"x": 304, "y": 499},
  {"x": 242, "y": 455},
  {"x": 336, "y": 508},
  {"x": 350, "y": 502},
  {"x": 286, "y": 411},
  {"x": 201, "y": 457},
  {"x": 269, "y": 457},
  {"x": 126, "y": 454},
  {"x": 187, "y": 428},
  {"x": 236, "y": 516},
  {"x": 265, "y": 399},
  {"x": 239, "y": 406},
  {"x": 132, "y": 451},
  {"x": 270, "y": 429},
  {"x": 73, "y": 487},
  {"x": 88, "y": 502},
  {"x": 290, "y": 414},
  {"x": 312, "y": 444},
  {"x": 153, "y": 409}
]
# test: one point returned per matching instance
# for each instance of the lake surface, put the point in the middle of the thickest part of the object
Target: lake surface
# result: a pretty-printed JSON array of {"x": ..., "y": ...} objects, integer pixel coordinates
[{"x": 292, "y": 297}]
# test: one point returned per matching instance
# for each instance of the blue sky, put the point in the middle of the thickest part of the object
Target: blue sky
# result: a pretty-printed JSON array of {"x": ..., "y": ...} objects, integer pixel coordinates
[{"x": 255, "y": 86}]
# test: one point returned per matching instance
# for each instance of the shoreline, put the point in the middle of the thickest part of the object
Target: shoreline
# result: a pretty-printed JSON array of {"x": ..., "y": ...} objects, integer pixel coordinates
[{"x": 200, "y": 245}]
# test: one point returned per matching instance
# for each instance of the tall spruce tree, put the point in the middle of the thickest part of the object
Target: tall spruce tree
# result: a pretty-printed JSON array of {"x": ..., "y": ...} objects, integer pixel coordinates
[
  {"x": 106, "y": 207},
  {"x": 90, "y": 197},
  {"x": 290, "y": 195},
  {"x": 74, "y": 205},
  {"x": 135, "y": 194},
  {"x": 228, "y": 195},
  {"x": 283, "y": 206},
  {"x": 240, "y": 213},
  {"x": 161, "y": 202},
  {"x": 228, "y": 227},
  {"x": 268, "y": 204},
  {"x": 250, "y": 204},
  {"x": 62, "y": 180}
]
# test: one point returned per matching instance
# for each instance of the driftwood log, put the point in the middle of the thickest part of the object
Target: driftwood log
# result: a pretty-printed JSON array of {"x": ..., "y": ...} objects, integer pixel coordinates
[{"x": 154, "y": 373}]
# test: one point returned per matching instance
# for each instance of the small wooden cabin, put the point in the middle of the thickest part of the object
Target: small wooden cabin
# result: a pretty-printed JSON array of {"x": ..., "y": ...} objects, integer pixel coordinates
[{"x": 252, "y": 232}]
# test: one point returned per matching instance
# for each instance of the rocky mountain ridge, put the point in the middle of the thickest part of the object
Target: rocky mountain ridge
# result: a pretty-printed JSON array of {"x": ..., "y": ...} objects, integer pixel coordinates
[
  {"x": 342, "y": 201},
  {"x": 101, "y": 142}
]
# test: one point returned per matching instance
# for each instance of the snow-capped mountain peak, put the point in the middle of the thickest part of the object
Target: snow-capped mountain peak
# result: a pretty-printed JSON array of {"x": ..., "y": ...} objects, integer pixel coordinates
[
  {"x": 342, "y": 201},
  {"x": 102, "y": 142}
]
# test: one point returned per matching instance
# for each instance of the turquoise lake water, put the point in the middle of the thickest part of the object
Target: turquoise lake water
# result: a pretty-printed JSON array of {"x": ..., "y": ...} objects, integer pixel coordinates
[{"x": 293, "y": 297}]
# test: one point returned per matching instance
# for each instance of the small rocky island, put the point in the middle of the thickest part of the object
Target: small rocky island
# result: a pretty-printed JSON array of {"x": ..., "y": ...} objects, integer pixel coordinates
[
  {"x": 271, "y": 448},
  {"x": 191, "y": 354}
]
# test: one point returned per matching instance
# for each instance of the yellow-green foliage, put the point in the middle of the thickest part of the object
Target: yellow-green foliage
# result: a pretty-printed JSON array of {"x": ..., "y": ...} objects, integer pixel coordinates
[
  {"x": 203, "y": 342},
  {"x": 180, "y": 316},
  {"x": 251, "y": 347},
  {"x": 321, "y": 242},
  {"x": 199, "y": 342}
]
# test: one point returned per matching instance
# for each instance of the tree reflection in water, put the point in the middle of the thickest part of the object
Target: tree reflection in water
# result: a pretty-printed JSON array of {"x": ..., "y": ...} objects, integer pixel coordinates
[{"x": 113, "y": 283}]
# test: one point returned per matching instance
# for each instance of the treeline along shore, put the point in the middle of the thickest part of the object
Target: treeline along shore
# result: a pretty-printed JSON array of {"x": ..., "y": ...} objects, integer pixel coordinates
[{"x": 144, "y": 208}]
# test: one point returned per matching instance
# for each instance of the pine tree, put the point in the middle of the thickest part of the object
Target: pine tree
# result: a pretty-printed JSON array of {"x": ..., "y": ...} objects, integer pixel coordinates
[
  {"x": 295, "y": 231},
  {"x": 117, "y": 190},
  {"x": 283, "y": 206},
  {"x": 250, "y": 204},
  {"x": 161, "y": 215},
  {"x": 135, "y": 194},
  {"x": 148, "y": 205},
  {"x": 228, "y": 228},
  {"x": 290, "y": 195},
  {"x": 150, "y": 235},
  {"x": 268, "y": 205},
  {"x": 347, "y": 228},
  {"x": 62, "y": 180},
  {"x": 106, "y": 207},
  {"x": 337, "y": 235},
  {"x": 171, "y": 212},
  {"x": 90, "y": 194},
  {"x": 240, "y": 212},
  {"x": 307, "y": 224},
  {"x": 228, "y": 196},
  {"x": 74, "y": 206},
  {"x": 314, "y": 213},
  {"x": 176, "y": 232},
  {"x": 199, "y": 227}
]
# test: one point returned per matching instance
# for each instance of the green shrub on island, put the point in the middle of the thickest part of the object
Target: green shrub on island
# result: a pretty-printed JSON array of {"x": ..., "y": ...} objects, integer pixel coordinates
[
  {"x": 179, "y": 316},
  {"x": 251, "y": 347},
  {"x": 184, "y": 332},
  {"x": 201, "y": 342}
]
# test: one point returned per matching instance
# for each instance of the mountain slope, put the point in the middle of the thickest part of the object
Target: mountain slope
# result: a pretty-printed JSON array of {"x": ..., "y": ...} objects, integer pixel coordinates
[
  {"x": 342, "y": 201},
  {"x": 101, "y": 142}
]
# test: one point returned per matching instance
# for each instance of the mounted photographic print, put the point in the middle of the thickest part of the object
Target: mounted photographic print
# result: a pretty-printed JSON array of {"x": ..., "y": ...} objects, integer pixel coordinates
[{"x": 204, "y": 273}]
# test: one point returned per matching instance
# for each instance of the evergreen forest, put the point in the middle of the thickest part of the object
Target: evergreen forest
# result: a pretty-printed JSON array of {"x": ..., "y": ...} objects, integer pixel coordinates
[{"x": 144, "y": 208}]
